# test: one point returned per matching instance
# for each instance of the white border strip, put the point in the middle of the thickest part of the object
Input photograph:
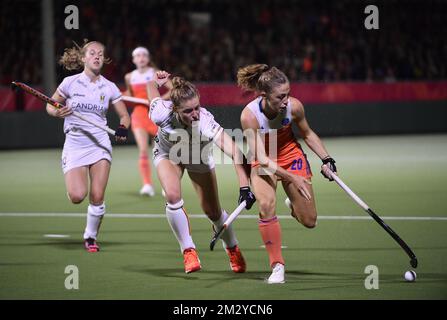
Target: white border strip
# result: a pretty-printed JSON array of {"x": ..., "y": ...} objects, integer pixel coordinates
[{"x": 247, "y": 216}]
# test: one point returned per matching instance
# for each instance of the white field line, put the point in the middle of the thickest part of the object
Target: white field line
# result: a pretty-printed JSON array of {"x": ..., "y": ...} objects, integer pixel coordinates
[
  {"x": 246, "y": 216},
  {"x": 56, "y": 236}
]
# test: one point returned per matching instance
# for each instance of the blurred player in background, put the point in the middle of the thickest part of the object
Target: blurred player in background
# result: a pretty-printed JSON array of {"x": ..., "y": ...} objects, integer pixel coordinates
[
  {"x": 183, "y": 114},
  {"x": 87, "y": 150},
  {"x": 269, "y": 118},
  {"x": 142, "y": 127}
]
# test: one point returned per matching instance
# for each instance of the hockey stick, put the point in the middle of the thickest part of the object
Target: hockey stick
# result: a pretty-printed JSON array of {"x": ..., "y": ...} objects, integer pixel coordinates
[
  {"x": 54, "y": 103},
  {"x": 226, "y": 224},
  {"x": 136, "y": 100},
  {"x": 410, "y": 253}
]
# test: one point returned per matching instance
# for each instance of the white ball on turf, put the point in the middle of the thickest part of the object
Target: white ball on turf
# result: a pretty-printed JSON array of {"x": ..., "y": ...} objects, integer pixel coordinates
[{"x": 410, "y": 276}]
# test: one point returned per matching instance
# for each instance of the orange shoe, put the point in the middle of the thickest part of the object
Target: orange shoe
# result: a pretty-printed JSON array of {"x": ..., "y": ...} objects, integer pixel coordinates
[
  {"x": 191, "y": 260},
  {"x": 237, "y": 261}
]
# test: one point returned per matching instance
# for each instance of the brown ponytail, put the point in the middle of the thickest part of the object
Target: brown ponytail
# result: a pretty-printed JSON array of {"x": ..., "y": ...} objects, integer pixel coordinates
[
  {"x": 72, "y": 57},
  {"x": 260, "y": 77}
]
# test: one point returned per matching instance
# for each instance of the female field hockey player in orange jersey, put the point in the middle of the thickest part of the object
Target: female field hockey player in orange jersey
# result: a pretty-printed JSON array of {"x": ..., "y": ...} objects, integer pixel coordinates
[
  {"x": 142, "y": 127},
  {"x": 278, "y": 156},
  {"x": 87, "y": 153}
]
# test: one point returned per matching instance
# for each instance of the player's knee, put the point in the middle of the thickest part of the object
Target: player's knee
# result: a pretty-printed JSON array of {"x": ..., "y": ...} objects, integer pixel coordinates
[
  {"x": 96, "y": 198},
  {"x": 172, "y": 196},
  {"x": 267, "y": 205},
  {"x": 76, "y": 197},
  {"x": 309, "y": 222}
]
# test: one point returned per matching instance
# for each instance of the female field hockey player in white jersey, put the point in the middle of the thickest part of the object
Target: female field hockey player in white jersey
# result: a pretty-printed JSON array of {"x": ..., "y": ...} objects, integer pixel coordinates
[
  {"x": 87, "y": 150},
  {"x": 143, "y": 129},
  {"x": 183, "y": 114}
]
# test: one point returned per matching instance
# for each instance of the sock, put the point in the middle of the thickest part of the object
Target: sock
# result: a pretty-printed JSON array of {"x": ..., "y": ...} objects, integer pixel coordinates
[
  {"x": 271, "y": 235},
  {"x": 94, "y": 218},
  {"x": 228, "y": 238},
  {"x": 179, "y": 222},
  {"x": 145, "y": 169}
]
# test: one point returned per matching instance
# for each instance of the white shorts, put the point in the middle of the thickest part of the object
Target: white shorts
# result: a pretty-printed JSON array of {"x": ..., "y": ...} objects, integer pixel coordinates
[
  {"x": 82, "y": 149},
  {"x": 161, "y": 153}
]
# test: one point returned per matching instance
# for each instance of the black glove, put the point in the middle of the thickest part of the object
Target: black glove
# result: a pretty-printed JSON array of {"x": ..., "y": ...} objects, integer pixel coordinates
[
  {"x": 246, "y": 194},
  {"x": 121, "y": 132},
  {"x": 330, "y": 163}
]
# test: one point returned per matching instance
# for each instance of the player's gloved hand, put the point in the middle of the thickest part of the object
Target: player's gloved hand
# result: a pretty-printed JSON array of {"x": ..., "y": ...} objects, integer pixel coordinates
[
  {"x": 121, "y": 133},
  {"x": 246, "y": 194},
  {"x": 328, "y": 164}
]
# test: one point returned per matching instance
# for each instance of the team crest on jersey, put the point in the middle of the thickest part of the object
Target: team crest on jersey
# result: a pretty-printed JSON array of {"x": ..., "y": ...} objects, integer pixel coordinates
[
  {"x": 285, "y": 121},
  {"x": 102, "y": 97}
]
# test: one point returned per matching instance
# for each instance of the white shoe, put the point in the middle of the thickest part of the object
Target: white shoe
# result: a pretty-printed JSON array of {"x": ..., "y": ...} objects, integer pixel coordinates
[
  {"x": 147, "y": 190},
  {"x": 277, "y": 275},
  {"x": 288, "y": 203}
]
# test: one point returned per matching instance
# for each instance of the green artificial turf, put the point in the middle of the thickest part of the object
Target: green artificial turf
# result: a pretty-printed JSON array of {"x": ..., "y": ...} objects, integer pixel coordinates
[{"x": 398, "y": 176}]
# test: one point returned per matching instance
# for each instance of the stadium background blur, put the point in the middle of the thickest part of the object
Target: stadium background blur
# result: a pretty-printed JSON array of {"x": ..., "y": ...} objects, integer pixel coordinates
[
  {"x": 388, "y": 86},
  {"x": 353, "y": 81},
  {"x": 210, "y": 40}
]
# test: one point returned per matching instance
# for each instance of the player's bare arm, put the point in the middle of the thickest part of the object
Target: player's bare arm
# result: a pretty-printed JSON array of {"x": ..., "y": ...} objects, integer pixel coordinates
[
  {"x": 55, "y": 112},
  {"x": 311, "y": 139},
  {"x": 168, "y": 85},
  {"x": 161, "y": 77},
  {"x": 227, "y": 145},
  {"x": 121, "y": 110},
  {"x": 128, "y": 91}
]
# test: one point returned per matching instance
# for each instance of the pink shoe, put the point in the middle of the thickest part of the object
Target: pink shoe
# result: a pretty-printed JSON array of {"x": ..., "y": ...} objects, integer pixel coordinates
[{"x": 91, "y": 245}]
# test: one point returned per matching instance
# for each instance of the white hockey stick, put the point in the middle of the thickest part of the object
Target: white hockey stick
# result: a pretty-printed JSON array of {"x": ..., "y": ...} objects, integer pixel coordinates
[
  {"x": 135, "y": 100},
  {"x": 100, "y": 126},
  {"x": 227, "y": 223}
]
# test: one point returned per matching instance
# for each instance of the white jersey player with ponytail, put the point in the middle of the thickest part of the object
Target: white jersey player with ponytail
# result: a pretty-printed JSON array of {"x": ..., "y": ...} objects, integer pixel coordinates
[
  {"x": 185, "y": 127},
  {"x": 87, "y": 150}
]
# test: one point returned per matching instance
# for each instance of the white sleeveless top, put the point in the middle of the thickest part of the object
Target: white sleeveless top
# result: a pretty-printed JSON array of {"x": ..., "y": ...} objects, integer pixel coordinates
[
  {"x": 137, "y": 77},
  {"x": 283, "y": 119}
]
